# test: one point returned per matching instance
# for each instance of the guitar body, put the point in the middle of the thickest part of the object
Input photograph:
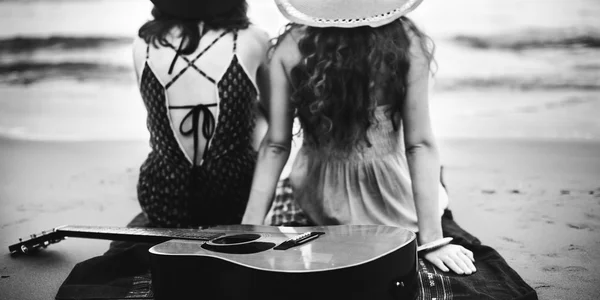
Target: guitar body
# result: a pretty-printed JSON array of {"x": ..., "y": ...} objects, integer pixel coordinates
[
  {"x": 344, "y": 262},
  {"x": 244, "y": 262}
]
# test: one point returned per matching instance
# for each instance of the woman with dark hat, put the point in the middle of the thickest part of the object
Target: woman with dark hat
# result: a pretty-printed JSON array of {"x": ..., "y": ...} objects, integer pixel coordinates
[
  {"x": 201, "y": 69},
  {"x": 355, "y": 73}
]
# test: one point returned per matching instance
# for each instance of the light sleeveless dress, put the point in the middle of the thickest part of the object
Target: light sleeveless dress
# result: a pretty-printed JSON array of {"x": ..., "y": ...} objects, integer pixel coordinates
[{"x": 370, "y": 185}]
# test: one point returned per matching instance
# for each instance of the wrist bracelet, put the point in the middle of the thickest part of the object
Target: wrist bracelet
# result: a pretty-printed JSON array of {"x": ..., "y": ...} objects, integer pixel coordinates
[{"x": 434, "y": 245}]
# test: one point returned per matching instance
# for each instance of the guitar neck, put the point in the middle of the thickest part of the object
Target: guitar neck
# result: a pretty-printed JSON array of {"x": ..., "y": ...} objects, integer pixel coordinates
[
  {"x": 144, "y": 235},
  {"x": 140, "y": 235}
]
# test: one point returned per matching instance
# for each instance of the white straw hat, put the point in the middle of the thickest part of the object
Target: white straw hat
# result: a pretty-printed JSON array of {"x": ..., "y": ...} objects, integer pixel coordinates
[{"x": 345, "y": 13}]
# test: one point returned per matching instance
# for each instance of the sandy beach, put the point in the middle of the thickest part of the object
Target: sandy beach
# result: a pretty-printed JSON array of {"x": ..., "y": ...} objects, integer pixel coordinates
[
  {"x": 48, "y": 184},
  {"x": 536, "y": 202},
  {"x": 514, "y": 103}
]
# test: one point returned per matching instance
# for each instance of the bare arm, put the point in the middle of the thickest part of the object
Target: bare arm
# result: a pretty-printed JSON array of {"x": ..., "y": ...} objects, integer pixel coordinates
[
  {"x": 423, "y": 162},
  {"x": 275, "y": 148},
  {"x": 421, "y": 148},
  {"x": 263, "y": 83}
]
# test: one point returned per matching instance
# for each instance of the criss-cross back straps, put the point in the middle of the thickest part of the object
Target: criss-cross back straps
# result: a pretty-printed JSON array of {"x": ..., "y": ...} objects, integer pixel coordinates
[
  {"x": 195, "y": 111},
  {"x": 191, "y": 64}
]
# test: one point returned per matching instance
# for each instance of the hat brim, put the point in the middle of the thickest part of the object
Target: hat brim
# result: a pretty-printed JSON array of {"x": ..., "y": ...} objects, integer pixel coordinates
[{"x": 345, "y": 13}]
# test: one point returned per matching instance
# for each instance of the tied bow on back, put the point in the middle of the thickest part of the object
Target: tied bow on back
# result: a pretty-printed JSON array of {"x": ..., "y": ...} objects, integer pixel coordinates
[{"x": 208, "y": 124}]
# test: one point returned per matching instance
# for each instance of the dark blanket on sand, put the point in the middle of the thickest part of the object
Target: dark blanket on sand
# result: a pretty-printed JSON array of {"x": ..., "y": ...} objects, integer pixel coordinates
[{"x": 123, "y": 272}]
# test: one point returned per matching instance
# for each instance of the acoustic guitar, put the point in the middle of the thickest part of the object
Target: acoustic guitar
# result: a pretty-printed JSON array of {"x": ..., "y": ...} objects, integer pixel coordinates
[{"x": 265, "y": 262}]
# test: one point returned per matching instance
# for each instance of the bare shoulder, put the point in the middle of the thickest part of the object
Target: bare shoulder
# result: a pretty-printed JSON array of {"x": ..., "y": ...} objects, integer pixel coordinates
[
  {"x": 139, "y": 53},
  {"x": 297, "y": 32},
  {"x": 420, "y": 47},
  {"x": 138, "y": 46},
  {"x": 287, "y": 52},
  {"x": 256, "y": 32},
  {"x": 254, "y": 35},
  {"x": 255, "y": 41}
]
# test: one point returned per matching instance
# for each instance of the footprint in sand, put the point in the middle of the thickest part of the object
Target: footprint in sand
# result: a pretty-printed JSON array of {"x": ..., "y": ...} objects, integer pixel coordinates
[
  {"x": 547, "y": 219},
  {"x": 573, "y": 269},
  {"x": 552, "y": 255},
  {"x": 551, "y": 269},
  {"x": 573, "y": 247},
  {"x": 593, "y": 217},
  {"x": 541, "y": 286},
  {"x": 504, "y": 238},
  {"x": 20, "y": 221},
  {"x": 580, "y": 226}
]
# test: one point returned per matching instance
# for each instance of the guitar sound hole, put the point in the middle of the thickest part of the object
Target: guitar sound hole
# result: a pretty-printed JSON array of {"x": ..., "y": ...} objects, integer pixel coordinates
[{"x": 236, "y": 239}]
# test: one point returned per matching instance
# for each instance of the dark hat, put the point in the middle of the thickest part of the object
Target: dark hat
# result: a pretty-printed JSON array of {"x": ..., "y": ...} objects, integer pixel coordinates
[{"x": 195, "y": 9}]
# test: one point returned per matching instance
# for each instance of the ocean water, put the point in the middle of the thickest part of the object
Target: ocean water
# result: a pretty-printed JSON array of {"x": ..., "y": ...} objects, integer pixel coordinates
[{"x": 64, "y": 63}]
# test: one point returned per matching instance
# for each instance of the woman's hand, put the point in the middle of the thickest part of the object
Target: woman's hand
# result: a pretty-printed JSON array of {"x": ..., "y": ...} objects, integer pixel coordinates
[{"x": 454, "y": 257}]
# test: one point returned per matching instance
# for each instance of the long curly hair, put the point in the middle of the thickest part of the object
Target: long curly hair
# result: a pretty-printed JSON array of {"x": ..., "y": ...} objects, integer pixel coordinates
[{"x": 336, "y": 80}]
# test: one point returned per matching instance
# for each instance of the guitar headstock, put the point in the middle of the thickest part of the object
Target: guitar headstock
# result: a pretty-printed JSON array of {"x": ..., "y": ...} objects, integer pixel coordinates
[{"x": 35, "y": 242}]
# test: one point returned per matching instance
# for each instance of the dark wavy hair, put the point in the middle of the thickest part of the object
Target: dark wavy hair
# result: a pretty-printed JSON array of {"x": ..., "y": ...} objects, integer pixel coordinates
[
  {"x": 335, "y": 82},
  {"x": 156, "y": 31}
]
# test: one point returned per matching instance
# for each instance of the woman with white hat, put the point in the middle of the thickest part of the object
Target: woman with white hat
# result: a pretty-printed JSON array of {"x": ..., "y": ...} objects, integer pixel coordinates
[
  {"x": 356, "y": 76},
  {"x": 355, "y": 73},
  {"x": 201, "y": 67}
]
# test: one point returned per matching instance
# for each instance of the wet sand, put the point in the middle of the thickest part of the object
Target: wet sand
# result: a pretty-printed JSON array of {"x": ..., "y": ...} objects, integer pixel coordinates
[{"x": 536, "y": 202}]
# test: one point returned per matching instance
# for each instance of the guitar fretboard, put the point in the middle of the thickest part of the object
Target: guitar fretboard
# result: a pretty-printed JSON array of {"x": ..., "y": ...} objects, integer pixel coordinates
[{"x": 149, "y": 235}]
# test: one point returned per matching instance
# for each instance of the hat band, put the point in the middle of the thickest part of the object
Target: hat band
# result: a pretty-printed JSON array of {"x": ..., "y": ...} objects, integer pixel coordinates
[{"x": 372, "y": 21}]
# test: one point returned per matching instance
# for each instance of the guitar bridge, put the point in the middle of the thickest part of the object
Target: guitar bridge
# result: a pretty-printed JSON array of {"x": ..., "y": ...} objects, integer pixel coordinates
[{"x": 298, "y": 240}]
